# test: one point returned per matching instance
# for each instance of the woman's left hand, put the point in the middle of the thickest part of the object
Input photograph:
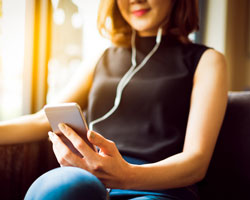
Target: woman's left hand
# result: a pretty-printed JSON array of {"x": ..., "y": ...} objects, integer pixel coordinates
[{"x": 107, "y": 164}]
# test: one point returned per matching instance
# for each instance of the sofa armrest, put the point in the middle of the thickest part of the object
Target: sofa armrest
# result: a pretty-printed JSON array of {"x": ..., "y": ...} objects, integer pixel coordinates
[
  {"x": 21, "y": 164},
  {"x": 228, "y": 176}
]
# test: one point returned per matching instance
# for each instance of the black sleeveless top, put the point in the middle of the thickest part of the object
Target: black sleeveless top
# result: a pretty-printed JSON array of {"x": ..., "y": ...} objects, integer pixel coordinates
[{"x": 150, "y": 122}]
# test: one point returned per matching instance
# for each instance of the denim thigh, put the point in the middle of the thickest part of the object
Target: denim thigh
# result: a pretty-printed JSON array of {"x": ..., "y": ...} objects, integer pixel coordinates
[{"x": 67, "y": 183}]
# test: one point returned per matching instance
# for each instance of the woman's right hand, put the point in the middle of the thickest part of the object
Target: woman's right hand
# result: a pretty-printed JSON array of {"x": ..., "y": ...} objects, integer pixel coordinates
[{"x": 107, "y": 164}]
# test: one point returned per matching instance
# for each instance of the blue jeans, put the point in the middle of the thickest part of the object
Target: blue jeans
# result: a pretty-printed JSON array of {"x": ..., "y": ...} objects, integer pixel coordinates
[
  {"x": 74, "y": 183},
  {"x": 66, "y": 183}
]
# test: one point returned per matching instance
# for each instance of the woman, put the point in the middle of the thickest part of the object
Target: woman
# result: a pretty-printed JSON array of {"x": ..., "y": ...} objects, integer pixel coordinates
[{"x": 157, "y": 139}]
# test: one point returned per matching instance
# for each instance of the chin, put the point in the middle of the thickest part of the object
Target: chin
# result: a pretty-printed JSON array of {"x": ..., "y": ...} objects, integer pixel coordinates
[{"x": 145, "y": 29}]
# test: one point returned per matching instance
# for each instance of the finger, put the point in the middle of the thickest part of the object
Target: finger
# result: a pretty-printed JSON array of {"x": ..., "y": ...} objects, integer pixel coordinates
[
  {"x": 77, "y": 141},
  {"x": 59, "y": 149},
  {"x": 64, "y": 155},
  {"x": 108, "y": 147}
]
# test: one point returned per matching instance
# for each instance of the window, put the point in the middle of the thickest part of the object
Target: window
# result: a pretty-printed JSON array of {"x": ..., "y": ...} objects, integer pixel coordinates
[
  {"x": 12, "y": 26},
  {"x": 42, "y": 45},
  {"x": 74, "y": 41}
]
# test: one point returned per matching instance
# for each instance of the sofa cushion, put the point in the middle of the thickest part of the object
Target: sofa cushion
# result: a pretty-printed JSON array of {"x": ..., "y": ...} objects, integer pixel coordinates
[{"x": 228, "y": 176}]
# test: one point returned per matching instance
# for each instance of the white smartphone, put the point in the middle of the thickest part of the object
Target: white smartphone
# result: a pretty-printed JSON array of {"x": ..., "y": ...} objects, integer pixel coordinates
[{"x": 70, "y": 114}]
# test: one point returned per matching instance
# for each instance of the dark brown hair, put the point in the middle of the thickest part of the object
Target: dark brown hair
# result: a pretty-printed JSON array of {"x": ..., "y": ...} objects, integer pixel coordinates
[{"x": 183, "y": 20}]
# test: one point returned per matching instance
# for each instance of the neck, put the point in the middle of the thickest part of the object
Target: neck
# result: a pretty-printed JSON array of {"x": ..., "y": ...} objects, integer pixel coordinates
[{"x": 150, "y": 33}]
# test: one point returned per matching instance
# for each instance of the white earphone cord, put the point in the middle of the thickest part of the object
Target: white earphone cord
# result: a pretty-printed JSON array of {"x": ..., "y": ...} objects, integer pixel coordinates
[{"x": 129, "y": 75}]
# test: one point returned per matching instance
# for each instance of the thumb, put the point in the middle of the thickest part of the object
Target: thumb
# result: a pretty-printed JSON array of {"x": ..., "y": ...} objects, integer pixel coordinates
[{"x": 108, "y": 147}]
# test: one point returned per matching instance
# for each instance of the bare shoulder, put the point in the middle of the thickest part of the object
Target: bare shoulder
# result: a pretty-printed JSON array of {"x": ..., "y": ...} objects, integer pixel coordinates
[
  {"x": 211, "y": 62},
  {"x": 214, "y": 57}
]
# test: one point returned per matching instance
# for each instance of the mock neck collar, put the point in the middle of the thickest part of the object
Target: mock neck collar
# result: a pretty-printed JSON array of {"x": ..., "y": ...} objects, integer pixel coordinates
[{"x": 145, "y": 44}]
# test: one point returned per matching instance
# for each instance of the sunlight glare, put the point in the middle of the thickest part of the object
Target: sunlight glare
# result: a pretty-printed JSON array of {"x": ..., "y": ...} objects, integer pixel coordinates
[{"x": 12, "y": 57}]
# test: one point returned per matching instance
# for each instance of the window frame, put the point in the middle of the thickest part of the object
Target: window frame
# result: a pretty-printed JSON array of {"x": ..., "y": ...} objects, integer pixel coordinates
[{"x": 37, "y": 53}]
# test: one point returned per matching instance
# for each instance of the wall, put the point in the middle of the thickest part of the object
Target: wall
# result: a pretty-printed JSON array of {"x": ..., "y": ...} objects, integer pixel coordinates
[
  {"x": 248, "y": 46},
  {"x": 236, "y": 44},
  {"x": 215, "y": 28},
  {"x": 227, "y": 31}
]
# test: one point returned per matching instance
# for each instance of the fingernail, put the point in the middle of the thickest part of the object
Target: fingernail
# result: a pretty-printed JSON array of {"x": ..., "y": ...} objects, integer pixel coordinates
[
  {"x": 51, "y": 135},
  {"x": 62, "y": 126},
  {"x": 92, "y": 135}
]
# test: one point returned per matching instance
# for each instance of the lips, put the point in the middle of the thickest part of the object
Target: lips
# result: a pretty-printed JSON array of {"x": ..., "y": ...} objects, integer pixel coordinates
[{"x": 140, "y": 12}]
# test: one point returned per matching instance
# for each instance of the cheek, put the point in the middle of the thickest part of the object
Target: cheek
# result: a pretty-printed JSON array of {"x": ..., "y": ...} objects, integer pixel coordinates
[{"x": 123, "y": 6}]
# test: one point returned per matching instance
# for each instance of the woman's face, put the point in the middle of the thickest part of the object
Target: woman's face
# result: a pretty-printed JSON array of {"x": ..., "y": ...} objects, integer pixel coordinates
[{"x": 145, "y": 16}]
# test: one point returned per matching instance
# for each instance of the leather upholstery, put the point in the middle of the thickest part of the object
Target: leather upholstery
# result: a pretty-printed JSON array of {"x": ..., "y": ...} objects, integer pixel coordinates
[{"x": 228, "y": 176}]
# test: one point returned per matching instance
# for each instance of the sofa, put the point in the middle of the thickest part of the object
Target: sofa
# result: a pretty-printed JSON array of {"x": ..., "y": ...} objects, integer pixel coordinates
[{"x": 228, "y": 176}]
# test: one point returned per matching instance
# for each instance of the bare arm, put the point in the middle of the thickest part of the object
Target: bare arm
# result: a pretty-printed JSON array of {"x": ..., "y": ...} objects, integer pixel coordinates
[
  {"x": 35, "y": 126},
  {"x": 26, "y": 128},
  {"x": 207, "y": 109}
]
